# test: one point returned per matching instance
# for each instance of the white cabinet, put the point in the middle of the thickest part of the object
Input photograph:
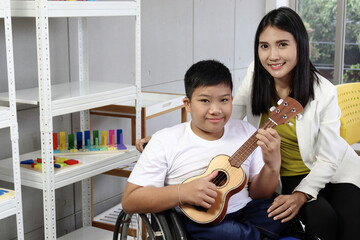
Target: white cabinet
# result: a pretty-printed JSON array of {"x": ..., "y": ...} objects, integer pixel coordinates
[
  {"x": 10, "y": 199},
  {"x": 77, "y": 96}
]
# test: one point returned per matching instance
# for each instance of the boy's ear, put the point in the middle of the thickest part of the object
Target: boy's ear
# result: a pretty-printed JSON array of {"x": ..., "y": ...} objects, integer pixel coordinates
[{"x": 186, "y": 102}]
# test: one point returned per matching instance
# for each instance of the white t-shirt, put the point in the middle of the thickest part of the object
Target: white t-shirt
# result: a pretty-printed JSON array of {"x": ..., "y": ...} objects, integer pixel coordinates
[{"x": 175, "y": 154}]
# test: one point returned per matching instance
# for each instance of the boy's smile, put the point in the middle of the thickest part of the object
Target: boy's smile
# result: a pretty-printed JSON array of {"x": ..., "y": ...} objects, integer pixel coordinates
[{"x": 210, "y": 108}]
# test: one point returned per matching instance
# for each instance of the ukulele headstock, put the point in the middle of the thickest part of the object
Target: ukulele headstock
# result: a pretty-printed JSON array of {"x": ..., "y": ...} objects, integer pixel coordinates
[{"x": 286, "y": 110}]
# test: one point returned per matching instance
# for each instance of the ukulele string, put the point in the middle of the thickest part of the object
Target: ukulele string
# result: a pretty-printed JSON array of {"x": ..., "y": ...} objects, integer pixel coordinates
[{"x": 243, "y": 153}]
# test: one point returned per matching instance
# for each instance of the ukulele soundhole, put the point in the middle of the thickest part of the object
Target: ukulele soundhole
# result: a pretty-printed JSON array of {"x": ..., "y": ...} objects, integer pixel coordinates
[{"x": 221, "y": 179}]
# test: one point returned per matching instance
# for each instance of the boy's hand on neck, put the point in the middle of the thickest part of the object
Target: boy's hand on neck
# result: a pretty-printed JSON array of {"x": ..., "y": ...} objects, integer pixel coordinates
[
  {"x": 269, "y": 141},
  {"x": 265, "y": 183}
]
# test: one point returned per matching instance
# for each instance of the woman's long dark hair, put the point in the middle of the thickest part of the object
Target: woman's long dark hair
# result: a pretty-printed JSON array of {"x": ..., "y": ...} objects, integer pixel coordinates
[{"x": 302, "y": 85}]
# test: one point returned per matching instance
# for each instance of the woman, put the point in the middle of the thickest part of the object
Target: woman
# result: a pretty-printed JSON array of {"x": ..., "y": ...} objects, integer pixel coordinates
[{"x": 320, "y": 172}]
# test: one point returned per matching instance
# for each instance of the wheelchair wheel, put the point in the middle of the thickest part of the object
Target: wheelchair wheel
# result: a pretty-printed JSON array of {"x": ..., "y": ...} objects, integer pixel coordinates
[
  {"x": 123, "y": 222},
  {"x": 157, "y": 229}
]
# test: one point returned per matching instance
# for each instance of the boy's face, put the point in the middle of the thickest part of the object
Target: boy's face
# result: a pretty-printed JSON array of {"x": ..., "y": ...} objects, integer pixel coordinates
[{"x": 210, "y": 108}]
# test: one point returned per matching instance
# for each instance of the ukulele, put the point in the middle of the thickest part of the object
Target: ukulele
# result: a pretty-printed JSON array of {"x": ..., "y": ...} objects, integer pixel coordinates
[{"x": 231, "y": 178}]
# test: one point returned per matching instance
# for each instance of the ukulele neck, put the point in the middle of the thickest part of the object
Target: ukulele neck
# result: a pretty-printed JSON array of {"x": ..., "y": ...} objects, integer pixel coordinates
[{"x": 249, "y": 146}]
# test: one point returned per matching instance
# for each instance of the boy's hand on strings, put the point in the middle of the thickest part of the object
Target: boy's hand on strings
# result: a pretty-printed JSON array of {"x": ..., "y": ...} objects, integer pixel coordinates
[
  {"x": 200, "y": 192},
  {"x": 269, "y": 141}
]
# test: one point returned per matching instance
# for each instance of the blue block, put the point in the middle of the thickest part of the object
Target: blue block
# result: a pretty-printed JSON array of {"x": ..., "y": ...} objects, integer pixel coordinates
[{"x": 30, "y": 161}]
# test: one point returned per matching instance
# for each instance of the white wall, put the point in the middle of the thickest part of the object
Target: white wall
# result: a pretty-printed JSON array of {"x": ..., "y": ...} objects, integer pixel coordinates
[{"x": 175, "y": 34}]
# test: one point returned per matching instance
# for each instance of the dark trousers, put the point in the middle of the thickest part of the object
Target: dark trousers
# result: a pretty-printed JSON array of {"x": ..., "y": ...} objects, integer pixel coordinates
[
  {"x": 248, "y": 223},
  {"x": 335, "y": 215}
]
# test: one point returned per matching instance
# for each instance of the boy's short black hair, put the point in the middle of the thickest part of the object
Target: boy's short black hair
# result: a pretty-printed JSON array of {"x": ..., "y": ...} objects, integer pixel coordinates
[{"x": 207, "y": 73}]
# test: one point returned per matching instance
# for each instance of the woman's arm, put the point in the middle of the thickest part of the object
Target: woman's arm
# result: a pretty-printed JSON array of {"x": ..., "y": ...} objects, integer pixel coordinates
[{"x": 322, "y": 149}]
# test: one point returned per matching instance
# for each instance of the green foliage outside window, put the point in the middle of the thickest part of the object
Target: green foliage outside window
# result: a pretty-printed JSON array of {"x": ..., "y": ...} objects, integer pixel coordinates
[{"x": 319, "y": 17}]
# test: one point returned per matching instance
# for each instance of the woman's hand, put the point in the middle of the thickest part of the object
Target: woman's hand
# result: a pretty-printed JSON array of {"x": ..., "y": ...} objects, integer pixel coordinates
[
  {"x": 140, "y": 143},
  {"x": 285, "y": 207}
]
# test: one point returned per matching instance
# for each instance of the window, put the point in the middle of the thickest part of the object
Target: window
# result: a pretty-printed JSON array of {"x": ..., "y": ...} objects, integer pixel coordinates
[
  {"x": 319, "y": 17},
  {"x": 352, "y": 42}
]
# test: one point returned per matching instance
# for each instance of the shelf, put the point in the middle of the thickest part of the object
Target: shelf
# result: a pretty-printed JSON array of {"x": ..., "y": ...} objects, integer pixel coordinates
[
  {"x": 59, "y": 99},
  {"x": 4, "y": 117},
  {"x": 77, "y": 8},
  {"x": 7, "y": 206},
  {"x": 110, "y": 216},
  {"x": 89, "y": 166},
  {"x": 158, "y": 103},
  {"x": 77, "y": 96},
  {"x": 154, "y": 104},
  {"x": 88, "y": 233}
]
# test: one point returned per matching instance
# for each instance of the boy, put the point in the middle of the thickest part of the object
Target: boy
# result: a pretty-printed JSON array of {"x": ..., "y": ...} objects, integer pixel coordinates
[{"x": 185, "y": 150}]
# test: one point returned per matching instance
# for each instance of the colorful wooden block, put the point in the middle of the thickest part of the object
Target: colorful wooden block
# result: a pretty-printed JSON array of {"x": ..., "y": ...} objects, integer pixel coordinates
[
  {"x": 6, "y": 193},
  {"x": 29, "y": 161},
  {"x": 71, "y": 141},
  {"x": 104, "y": 139},
  {"x": 111, "y": 137},
  {"x": 61, "y": 159},
  {"x": 87, "y": 139},
  {"x": 119, "y": 138},
  {"x": 105, "y": 142},
  {"x": 60, "y": 165},
  {"x": 96, "y": 137},
  {"x": 55, "y": 141},
  {"x": 79, "y": 140},
  {"x": 62, "y": 141},
  {"x": 71, "y": 162},
  {"x": 38, "y": 166}
]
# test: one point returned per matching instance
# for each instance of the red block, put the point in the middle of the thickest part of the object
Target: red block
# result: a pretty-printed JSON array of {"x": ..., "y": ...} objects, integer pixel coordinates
[{"x": 71, "y": 162}]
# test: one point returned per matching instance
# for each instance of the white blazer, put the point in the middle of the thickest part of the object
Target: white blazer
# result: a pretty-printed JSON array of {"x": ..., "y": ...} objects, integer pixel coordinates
[{"x": 322, "y": 149}]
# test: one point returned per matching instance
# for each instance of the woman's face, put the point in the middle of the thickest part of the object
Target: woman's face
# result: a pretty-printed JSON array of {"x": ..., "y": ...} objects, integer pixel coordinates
[{"x": 278, "y": 53}]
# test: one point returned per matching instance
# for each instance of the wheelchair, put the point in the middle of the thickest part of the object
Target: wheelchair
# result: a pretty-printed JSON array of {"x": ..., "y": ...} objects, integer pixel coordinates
[{"x": 168, "y": 225}]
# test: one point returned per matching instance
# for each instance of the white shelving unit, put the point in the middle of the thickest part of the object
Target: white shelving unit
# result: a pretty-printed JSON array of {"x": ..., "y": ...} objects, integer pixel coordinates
[
  {"x": 84, "y": 95},
  {"x": 11, "y": 205}
]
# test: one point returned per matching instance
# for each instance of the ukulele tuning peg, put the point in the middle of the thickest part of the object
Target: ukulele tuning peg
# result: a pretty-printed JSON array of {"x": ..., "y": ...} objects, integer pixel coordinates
[
  {"x": 280, "y": 101},
  {"x": 291, "y": 124},
  {"x": 299, "y": 116},
  {"x": 272, "y": 108}
]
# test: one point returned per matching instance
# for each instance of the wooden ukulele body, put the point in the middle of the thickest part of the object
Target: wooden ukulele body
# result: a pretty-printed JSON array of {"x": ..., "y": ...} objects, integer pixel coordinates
[{"x": 225, "y": 189}]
